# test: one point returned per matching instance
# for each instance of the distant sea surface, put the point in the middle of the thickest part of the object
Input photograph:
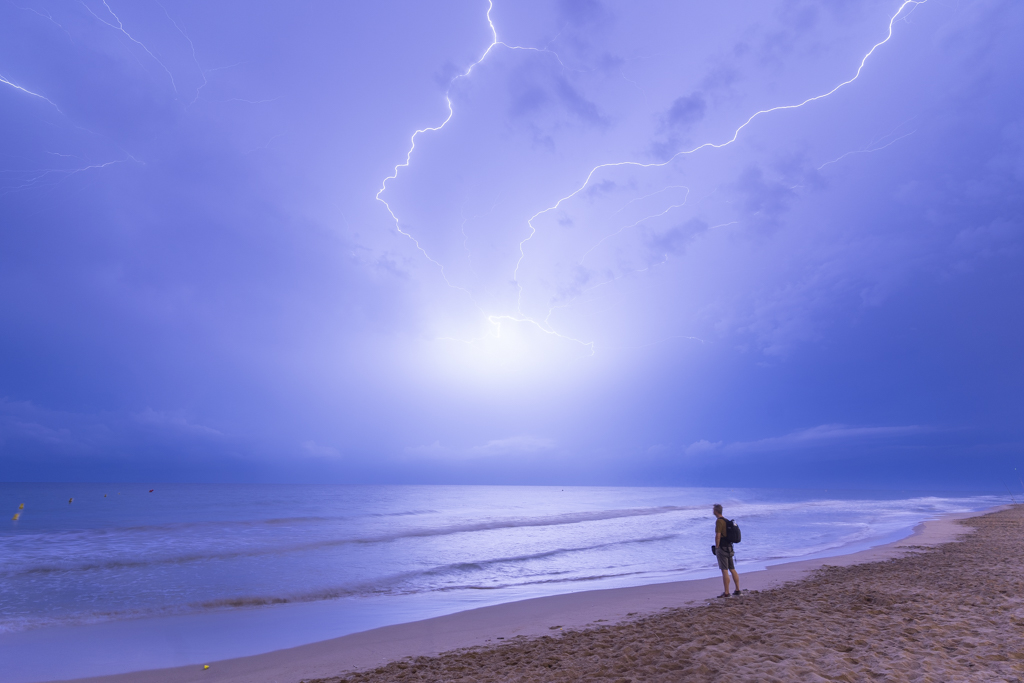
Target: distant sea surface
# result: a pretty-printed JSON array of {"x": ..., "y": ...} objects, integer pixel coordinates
[{"x": 121, "y": 551}]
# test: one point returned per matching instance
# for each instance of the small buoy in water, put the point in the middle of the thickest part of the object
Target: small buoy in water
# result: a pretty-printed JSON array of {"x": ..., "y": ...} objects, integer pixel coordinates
[
  {"x": 205, "y": 667},
  {"x": 151, "y": 490},
  {"x": 16, "y": 515},
  {"x": 21, "y": 507},
  {"x": 104, "y": 495},
  {"x": 69, "y": 500}
]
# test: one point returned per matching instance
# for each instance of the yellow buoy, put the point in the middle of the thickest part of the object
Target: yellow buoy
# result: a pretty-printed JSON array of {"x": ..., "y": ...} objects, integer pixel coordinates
[
  {"x": 16, "y": 515},
  {"x": 21, "y": 507},
  {"x": 205, "y": 667}
]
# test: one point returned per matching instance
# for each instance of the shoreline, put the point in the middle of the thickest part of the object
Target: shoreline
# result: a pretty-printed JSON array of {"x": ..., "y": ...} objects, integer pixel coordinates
[{"x": 534, "y": 617}]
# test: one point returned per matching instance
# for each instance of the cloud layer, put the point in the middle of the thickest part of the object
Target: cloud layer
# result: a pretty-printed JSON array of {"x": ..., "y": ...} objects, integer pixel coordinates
[{"x": 198, "y": 278}]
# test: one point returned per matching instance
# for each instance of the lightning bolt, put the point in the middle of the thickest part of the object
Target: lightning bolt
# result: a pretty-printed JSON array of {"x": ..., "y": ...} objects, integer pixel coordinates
[
  {"x": 191, "y": 45},
  {"x": 496, "y": 320},
  {"x": 47, "y": 16},
  {"x": 433, "y": 129},
  {"x": 120, "y": 27},
  {"x": 866, "y": 151},
  {"x": 43, "y": 173},
  {"x": 65, "y": 172},
  {"x": 34, "y": 177},
  {"x": 29, "y": 92},
  {"x": 707, "y": 145},
  {"x": 206, "y": 72}
]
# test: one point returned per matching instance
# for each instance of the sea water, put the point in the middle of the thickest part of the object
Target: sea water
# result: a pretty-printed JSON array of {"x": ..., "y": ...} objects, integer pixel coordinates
[{"x": 316, "y": 562}]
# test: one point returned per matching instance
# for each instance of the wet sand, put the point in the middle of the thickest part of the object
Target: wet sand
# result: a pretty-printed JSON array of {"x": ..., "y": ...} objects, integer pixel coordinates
[{"x": 921, "y": 609}]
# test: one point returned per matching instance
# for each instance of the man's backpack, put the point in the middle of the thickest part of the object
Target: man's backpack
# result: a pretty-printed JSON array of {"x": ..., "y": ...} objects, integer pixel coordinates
[{"x": 732, "y": 532}]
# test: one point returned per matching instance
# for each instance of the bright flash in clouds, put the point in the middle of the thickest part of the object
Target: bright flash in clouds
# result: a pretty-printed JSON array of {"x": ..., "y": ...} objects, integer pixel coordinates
[{"x": 559, "y": 276}]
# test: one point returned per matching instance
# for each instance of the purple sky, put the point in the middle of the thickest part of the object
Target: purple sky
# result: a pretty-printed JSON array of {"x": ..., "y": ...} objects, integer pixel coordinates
[{"x": 746, "y": 242}]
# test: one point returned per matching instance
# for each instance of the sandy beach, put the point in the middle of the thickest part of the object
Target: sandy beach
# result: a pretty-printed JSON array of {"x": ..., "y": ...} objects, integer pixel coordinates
[
  {"x": 922, "y": 609},
  {"x": 419, "y": 341}
]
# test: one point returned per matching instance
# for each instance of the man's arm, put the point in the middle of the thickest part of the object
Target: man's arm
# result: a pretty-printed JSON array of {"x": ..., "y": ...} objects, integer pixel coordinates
[{"x": 718, "y": 536}]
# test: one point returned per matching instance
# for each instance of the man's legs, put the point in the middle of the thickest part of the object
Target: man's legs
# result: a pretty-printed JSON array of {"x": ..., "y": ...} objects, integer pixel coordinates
[
  {"x": 725, "y": 579},
  {"x": 735, "y": 577}
]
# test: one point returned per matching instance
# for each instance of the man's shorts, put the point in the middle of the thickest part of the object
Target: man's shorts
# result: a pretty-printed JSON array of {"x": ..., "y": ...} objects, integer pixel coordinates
[{"x": 725, "y": 561}]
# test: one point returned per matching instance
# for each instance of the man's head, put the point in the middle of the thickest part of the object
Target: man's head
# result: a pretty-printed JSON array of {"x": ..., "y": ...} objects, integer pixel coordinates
[{"x": 717, "y": 509}]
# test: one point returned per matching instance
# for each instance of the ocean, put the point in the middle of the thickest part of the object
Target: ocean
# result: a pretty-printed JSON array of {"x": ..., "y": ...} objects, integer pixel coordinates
[{"x": 314, "y": 562}]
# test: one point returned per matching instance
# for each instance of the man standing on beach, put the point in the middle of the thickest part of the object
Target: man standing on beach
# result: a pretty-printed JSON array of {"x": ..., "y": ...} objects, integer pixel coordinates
[{"x": 725, "y": 553}]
